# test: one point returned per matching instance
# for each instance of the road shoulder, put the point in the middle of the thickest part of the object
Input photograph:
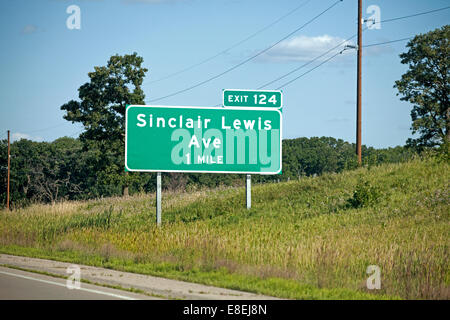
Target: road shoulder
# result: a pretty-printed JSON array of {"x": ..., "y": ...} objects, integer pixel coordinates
[
  {"x": 156, "y": 286},
  {"x": 18, "y": 284}
]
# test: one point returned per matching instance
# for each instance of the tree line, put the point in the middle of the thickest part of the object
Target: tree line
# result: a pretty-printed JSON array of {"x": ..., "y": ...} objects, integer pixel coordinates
[
  {"x": 93, "y": 165},
  {"x": 64, "y": 170}
]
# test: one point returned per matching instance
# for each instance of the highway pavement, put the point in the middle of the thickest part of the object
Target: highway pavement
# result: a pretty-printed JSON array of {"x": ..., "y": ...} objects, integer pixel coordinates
[
  {"x": 151, "y": 285},
  {"x": 20, "y": 285}
]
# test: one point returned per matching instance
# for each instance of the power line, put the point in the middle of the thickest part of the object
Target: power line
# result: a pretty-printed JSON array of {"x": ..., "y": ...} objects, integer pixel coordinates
[
  {"x": 305, "y": 73},
  {"x": 348, "y": 39},
  {"x": 307, "y": 63},
  {"x": 326, "y": 52},
  {"x": 44, "y": 129},
  {"x": 261, "y": 52},
  {"x": 76, "y": 133},
  {"x": 248, "y": 59},
  {"x": 72, "y": 135},
  {"x": 409, "y": 16},
  {"x": 386, "y": 42},
  {"x": 231, "y": 47},
  {"x": 336, "y": 54},
  {"x": 415, "y": 15},
  {"x": 39, "y": 130}
]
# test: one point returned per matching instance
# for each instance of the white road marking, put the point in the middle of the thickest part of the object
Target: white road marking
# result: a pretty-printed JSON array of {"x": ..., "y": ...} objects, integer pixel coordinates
[{"x": 63, "y": 285}]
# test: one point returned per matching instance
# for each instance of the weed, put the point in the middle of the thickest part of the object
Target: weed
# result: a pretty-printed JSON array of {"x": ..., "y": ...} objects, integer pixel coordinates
[{"x": 299, "y": 240}]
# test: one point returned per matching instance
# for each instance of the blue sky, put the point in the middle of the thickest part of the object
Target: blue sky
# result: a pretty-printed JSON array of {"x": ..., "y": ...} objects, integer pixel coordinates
[{"x": 43, "y": 62}]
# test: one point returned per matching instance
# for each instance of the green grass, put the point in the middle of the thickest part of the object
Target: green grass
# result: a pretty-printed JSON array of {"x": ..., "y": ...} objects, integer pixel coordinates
[{"x": 307, "y": 239}]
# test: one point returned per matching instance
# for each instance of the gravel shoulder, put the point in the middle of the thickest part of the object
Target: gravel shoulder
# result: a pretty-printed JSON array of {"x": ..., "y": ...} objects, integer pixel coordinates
[{"x": 155, "y": 286}]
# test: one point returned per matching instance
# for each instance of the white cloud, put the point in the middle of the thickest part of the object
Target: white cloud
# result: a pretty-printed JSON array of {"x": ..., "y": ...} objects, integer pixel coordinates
[
  {"x": 304, "y": 48},
  {"x": 16, "y": 136},
  {"x": 29, "y": 28}
]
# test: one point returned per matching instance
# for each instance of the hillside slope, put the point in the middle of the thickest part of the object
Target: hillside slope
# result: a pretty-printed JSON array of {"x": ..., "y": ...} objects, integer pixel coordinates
[{"x": 313, "y": 238}]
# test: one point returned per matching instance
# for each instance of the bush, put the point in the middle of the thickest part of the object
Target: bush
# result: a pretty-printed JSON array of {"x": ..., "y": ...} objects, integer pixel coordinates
[{"x": 365, "y": 195}]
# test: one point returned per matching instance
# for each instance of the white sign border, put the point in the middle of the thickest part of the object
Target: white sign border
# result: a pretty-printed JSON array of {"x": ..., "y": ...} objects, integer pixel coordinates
[
  {"x": 250, "y": 90},
  {"x": 211, "y": 108}
]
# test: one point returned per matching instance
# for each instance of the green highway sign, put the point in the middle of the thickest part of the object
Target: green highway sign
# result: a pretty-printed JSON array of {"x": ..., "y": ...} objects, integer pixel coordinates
[
  {"x": 252, "y": 98},
  {"x": 199, "y": 139}
]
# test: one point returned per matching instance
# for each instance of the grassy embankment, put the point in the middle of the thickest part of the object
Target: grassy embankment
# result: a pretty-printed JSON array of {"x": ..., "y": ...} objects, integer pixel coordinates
[{"x": 301, "y": 239}]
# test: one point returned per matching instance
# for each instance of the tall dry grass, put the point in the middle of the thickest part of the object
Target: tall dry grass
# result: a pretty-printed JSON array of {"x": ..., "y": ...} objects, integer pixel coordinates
[{"x": 305, "y": 231}]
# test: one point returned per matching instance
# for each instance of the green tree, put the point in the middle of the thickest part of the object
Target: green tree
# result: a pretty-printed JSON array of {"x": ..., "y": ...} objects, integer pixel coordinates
[
  {"x": 43, "y": 171},
  {"x": 101, "y": 110},
  {"x": 426, "y": 86},
  {"x": 24, "y": 155}
]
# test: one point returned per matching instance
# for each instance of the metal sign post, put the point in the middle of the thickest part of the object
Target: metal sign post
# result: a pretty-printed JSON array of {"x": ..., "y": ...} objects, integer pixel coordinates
[
  {"x": 248, "y": 191},
  {"x": 9, "y": 170},
  {"x": 235, "y": 139},
  {"x": 158, "y": 198},
  {"x": 238, "y": 98}
]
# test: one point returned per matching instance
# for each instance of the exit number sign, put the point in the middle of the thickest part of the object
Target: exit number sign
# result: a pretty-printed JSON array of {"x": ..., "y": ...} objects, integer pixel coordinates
[{"x": 252, "y": 98}]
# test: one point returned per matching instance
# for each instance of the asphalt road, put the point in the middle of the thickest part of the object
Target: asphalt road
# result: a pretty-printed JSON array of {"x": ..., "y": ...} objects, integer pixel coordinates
[
  {"x": 164, "y": 288},
  {"x": 20, "y": 285}
]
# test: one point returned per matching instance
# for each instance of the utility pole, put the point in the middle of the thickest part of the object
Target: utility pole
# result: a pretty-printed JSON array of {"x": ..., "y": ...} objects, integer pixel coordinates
[
  {"x": 358, "y": 89},
  {"x": 9, "y": 168}
]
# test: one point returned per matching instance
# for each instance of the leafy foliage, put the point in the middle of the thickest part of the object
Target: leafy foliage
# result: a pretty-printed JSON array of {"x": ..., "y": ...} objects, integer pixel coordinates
[
  {"x": 93, "y": 165},
  {"x": 65, "y": 169},
  {"x": 42, "y": 171},
  {"x": 426, "y": 86},
  {"x": 365, "y": 195},
  {"x": 101, "y": 110}
]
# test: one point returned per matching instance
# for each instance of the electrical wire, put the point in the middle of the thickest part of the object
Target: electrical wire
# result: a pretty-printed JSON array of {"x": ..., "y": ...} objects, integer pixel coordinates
[
  {"x": 348, "y": 39},
  {"x": 273, "y": 45},
  {"x": 312, "y": 69},
  {"x": 333, "y": 56},
  {"x": 386, "y": 42},
  {"x": 48, "y": 128},
  {"x": 294, "y": 70},
  {"x": 415, "y": 15},
  {"x": 307, "y": 63},
  {"x": 76, "y": 133},
  {"x": 231, "y": 47},
  {"x": 248, "y": 59}
]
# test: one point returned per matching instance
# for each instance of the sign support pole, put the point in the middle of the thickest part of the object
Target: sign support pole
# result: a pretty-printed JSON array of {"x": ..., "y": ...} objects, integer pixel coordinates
[
  {"x": 9, "y": 169},
  {"x": 158, "y": 199},
  {"x": 248, "y": 191}
]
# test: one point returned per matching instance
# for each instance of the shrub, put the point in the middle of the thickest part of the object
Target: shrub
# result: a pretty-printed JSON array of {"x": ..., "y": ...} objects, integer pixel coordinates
[{"x": 365, "y": 195}]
